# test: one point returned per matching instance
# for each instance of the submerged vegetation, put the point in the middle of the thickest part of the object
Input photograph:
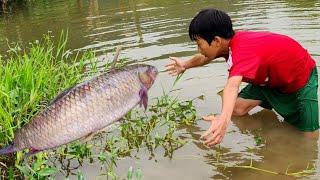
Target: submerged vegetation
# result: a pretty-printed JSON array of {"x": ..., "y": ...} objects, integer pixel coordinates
[{"x": 30, "y": 78}]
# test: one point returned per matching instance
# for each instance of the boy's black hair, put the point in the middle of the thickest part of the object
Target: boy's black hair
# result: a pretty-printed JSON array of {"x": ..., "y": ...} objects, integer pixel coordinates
[{"x": 209, "y": 23}]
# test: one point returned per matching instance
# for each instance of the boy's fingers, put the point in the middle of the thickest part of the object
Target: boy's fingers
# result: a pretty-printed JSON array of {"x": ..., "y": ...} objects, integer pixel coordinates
[
  {"x": 216, "y": 141},
  {"x": 173, "y": 58},
  {"x": 173, "y": 73},
  {"x": 213, "y": 138},
  {"x": 170, "y": 68},
  {"x": 170, "y": 64},
  {"x": 208, "y": 118},
  {"x": 205, "y": 134},
  {"x": 175, "y": 61},
  {"x": 209, "y": 140}
]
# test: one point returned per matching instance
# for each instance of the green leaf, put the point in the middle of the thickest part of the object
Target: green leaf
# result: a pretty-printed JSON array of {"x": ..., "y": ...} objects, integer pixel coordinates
[
  {"x": 25, "y": 171},
  {"x": 10, "y": 173},
  {"x": 80, "y": 175},
  {"x": 47, "y": 171},
  {"x": 177, "y": 79},
  {"x": 138, "y": 174},
  {"x": 130, "y": 172}
]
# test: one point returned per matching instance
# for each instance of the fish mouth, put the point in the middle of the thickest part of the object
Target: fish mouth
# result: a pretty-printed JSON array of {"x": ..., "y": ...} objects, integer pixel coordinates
[
  {"x": 154, "y": 75},
  {"x": 148, "y": 76}
]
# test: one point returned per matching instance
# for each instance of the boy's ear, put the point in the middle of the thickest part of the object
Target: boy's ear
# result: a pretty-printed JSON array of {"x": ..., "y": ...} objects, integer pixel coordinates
[{"x": 217, "y": 41}]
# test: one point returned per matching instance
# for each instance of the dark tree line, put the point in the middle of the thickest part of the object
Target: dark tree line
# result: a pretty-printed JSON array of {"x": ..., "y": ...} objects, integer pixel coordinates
[
  {"x": 4, "y": 1},
  {"x": 8, "y": 4}
]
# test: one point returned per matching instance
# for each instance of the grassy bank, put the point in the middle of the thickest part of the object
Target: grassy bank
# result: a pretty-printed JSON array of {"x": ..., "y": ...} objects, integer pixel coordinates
[{"x": 31, "y": 77}]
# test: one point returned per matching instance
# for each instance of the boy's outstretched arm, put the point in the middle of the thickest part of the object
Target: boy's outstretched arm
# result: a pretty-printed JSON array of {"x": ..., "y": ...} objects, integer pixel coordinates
[
  {"x": 178, "y": 66},
  {"x": 219, "y": 124}
]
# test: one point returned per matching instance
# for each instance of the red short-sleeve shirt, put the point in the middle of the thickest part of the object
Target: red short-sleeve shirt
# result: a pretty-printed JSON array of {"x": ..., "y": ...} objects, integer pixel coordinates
[{"x": 269, "y": 59}]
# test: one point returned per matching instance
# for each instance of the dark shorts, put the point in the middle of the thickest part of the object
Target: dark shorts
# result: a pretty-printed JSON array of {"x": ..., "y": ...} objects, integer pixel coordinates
[{"x": 299, "y": 109}]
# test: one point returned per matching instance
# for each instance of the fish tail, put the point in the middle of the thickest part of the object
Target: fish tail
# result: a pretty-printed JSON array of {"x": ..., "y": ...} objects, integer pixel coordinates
[{"x": 7, "y": 150}]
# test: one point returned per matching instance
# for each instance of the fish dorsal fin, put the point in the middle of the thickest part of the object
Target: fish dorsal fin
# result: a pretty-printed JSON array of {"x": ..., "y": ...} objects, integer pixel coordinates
[
  {"x": 62, "y": 94},
  {"x": 113, "y": 63}
]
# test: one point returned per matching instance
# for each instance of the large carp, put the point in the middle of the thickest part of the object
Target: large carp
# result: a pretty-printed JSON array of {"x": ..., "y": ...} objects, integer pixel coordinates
[{"x": 85, "y": 109}]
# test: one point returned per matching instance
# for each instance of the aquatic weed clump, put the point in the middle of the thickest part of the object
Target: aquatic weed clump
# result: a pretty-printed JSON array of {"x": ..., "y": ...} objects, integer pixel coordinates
[{"x": 159, "y": 127}]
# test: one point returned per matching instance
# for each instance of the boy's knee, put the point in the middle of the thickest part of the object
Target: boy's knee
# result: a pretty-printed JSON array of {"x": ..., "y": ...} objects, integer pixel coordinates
[
  {"x": 239, "y": 110},
  {"x": 243, "y": 106},
  {"x": 312, "y": 135}
]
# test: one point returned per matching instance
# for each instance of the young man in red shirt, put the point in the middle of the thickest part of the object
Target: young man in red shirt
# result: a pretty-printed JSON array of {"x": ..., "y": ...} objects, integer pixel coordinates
[{"x": 280, "y": 72}]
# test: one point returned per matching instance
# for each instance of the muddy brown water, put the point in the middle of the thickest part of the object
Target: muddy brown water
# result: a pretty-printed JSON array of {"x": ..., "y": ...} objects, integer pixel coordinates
[{"x": 150, "y": 32}]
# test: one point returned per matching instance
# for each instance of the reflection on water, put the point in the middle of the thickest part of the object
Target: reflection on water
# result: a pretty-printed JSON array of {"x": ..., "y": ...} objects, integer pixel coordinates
[
  {"x": 151, "y": 31},
  {"x": 283, "y": 149}
]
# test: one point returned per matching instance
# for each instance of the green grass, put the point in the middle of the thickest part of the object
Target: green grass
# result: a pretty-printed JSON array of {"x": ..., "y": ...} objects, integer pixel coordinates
[{"x": 29, "y": 79}]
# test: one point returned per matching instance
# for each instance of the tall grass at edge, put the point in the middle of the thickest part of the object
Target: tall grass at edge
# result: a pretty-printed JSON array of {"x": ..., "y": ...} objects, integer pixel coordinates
[{"x": 30, "y": 78}]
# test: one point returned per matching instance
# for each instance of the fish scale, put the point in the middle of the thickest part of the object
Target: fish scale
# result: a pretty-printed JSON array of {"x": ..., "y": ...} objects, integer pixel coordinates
[{"x": 85, "y": 109}]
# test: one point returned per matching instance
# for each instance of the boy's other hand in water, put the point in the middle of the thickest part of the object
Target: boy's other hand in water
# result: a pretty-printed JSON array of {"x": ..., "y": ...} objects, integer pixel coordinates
[
  {"x": 176, "y": 66},
  {"x": 216, "y": 132}
]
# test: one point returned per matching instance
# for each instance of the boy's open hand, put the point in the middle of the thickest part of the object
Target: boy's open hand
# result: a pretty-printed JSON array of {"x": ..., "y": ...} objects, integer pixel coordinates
[
  {"x": 175, "y": 67},
  {"x": 216, "y": 132}
]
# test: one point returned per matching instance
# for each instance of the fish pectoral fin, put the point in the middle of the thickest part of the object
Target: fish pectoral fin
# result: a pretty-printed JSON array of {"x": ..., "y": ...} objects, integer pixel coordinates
[{"x": 143, "y": 93}]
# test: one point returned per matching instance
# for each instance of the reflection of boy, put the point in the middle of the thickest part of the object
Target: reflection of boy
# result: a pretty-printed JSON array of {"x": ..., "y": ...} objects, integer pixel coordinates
[{"x": 280, "y": 72}]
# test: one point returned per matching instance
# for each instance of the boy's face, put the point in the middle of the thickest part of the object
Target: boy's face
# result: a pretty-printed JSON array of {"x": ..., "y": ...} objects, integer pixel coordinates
[{"x": 208, "y": 50}]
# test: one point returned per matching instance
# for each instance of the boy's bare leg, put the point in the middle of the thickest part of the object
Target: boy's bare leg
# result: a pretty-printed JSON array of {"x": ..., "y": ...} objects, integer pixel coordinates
[
  {"x": 312, "y": 135},
  {"x": 243, "y": 106}
]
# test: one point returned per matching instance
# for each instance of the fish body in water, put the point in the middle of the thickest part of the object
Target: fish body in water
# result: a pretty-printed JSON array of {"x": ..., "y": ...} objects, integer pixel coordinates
[{"x": 85, "y": 109}]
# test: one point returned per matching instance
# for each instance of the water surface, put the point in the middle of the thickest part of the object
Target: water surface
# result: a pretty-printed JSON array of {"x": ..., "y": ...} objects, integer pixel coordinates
[{"x": 150, "y": 31}]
